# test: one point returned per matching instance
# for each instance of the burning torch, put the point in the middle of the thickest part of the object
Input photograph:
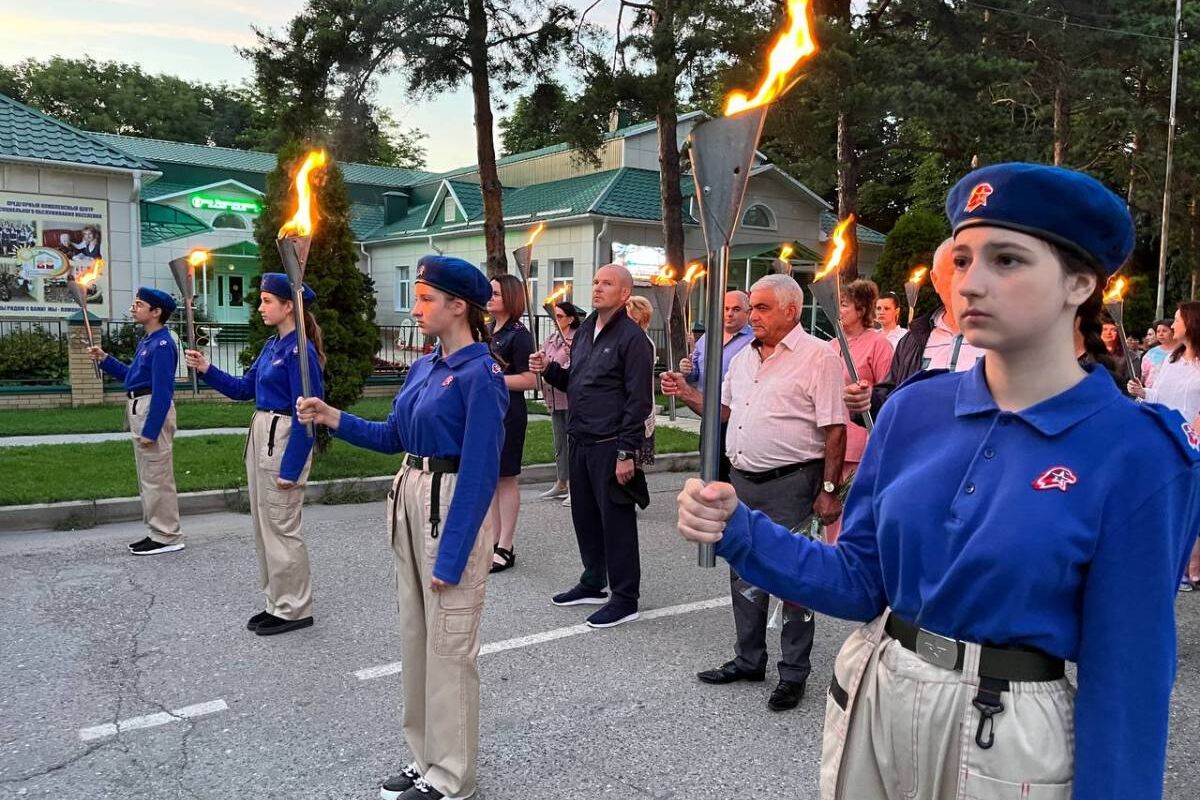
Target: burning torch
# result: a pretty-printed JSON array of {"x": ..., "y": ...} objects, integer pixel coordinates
[
  {"x": 827, "y": 289},
  {"x": 293, "y": 242},
  {"x": 912, "y": 288},
  {"x": 782, "y": 264},
  {"x": 695, "y": 272},
  {"x": 523, "y": 255},
  {"x": 722, "y": 152},
  {"x": 78, "y": 289},
  {"x": 1114, "y": 303},
  {"x": 662, "y": 290},
  {"x": 184, "y": 270}
]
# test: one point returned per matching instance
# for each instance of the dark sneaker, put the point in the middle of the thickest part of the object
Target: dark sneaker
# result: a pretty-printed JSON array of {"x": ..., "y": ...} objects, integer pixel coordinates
[
  {"x": 141, "y": 542},
  {"x": 397, "y": 785},
  {"x": 1186, "y": 586},
  {"x": 276, "y": 625},
  {"x": 786, "y": 695},
  {"x": 422, "y": 790},
  {"x": 153, "y": 548},
  {"x": 259, "y": 619},
  {"x": 580, "y": 596},
  {"x": 730, "y": 672},
  {"x": 612, "y": 615}
]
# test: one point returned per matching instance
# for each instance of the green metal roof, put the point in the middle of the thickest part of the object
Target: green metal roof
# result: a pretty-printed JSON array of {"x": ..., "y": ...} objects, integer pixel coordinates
[
  {"x": 866, "y": 235},
  {"x": 227, "y": 158},
  {"x": 27, "y": 133},
  {"x": 470, "y": 197},
  {"x": 164, "y": 223},
  {"x": 161, "y": 188},
  {"x": 364, "y": 218},
  {"x": 237, "y": 250}
]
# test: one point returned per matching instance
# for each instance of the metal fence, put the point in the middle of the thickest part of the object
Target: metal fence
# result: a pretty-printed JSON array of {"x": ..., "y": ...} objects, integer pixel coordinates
[
  {"x": 34, "y": 353},
  {"x": 223, "y": 344}
]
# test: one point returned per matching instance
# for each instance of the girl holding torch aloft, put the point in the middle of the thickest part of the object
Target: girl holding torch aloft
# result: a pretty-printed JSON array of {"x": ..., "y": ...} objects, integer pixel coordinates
[
  {"x": 992, "y": 534},
  {"x": 278, "y": 453},
  {"x": 449, "y": 420}
]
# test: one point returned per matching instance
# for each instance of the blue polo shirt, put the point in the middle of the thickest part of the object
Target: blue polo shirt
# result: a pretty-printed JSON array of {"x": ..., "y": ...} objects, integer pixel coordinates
[
  {"x": 449, "y": 407},
  {"x": 1019, "y": 529},
  {"x": 735, "y": 345},
  {"x": 153, "y": 367},
  {"x": 273, "y": 383}
]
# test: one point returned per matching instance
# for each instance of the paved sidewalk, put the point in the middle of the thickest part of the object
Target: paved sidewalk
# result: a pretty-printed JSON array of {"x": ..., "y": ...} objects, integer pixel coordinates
[{"x": 86, "y": 438}]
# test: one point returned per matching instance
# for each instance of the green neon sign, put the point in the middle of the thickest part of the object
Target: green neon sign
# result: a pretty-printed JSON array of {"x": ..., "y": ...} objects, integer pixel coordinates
[{"x": 211, "y": 203}]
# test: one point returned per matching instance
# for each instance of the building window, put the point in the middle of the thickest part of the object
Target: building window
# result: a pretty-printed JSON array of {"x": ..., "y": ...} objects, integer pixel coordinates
[
  {"x": 562, "y": 273},
  {"x": 448, "y": 214},
  {"x": 758, "y": 216},
  {"x": 533, "y": 280},
  {"x": 403, "y": 288},
  {"x": 230, "y": 221}
]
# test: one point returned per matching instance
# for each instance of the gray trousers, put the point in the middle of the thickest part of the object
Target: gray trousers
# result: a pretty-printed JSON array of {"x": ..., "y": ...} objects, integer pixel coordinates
[
  {"x": 562, "y": 445},
  {"x": 787, "y": 501}
]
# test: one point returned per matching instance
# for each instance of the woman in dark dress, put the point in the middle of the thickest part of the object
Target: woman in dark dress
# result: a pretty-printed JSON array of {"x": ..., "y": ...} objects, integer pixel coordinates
[{"x": 512, "y": 344}]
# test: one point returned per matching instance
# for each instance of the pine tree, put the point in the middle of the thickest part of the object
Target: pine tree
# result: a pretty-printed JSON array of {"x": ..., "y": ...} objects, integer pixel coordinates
[
  {"x": 912, "y": 241},
  {"x": 345, "y": 306}
]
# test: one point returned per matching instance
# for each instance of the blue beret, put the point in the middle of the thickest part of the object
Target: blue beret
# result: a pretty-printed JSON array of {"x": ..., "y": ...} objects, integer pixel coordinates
[
  {"x": 278, "y": 284},
  {"x": 456, "y": 277},
  {"x": 156, "y": 298},
  {"x": 1059, "y": 205}
]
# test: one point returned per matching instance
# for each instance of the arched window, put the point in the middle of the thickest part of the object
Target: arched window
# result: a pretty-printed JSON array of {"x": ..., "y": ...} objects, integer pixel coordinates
[
  {"x": 758, "y": 216},
  {"x": 228, "y": 220}
]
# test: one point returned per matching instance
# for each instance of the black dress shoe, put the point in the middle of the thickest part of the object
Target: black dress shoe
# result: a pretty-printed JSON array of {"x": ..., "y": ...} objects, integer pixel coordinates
[
  {"x": 276, "y": 625},
  {"x": 259, "y": 619},
  {"x": 786, "y": 695},
  {"x": 730, "y": 672}
]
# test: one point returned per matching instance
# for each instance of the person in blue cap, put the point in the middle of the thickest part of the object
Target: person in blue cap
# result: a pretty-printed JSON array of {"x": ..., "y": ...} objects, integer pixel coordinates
[
  {"x": 149, "y": 382},
  {"x": 278, "y": 453},
  {"x": 449, "y": 420},
  {"x": 992, "y": 534}
]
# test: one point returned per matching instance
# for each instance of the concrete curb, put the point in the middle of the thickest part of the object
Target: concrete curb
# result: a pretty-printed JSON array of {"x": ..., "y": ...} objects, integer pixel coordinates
[{"x": 88, "y": 513}]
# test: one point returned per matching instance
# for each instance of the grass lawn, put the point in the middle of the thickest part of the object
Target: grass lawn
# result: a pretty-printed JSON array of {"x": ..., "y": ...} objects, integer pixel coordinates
[
  {"x": 54, "y": 473},
  {"x": 109, "y": 418}
]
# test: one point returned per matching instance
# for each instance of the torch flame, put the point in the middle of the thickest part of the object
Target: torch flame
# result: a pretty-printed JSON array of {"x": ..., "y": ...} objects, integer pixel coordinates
[
  {"x": 556, "y": 295},
  {"x": 695, "y": 272},
  {"x": 665, "y": 276},
  {"x": 838, "y": 254},
  {"x": 535, "y": 233},
  {"x": 301, "y": 223},
  {"x": 918, "y": 275},
  {"x": 793, "y": 45},
  {"x": 198, "y": 258},
  {"x": 1115, "y": 293},
  {"x": 786, "y": 251},
  {"x": 91, "y": 274}
]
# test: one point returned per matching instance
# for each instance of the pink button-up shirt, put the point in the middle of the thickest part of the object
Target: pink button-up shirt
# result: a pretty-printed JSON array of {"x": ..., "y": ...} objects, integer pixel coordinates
[
  {"x": 558, "y": 349},
  {"x": 778, "y": 406},
  {"x": 872, "y": 354}
]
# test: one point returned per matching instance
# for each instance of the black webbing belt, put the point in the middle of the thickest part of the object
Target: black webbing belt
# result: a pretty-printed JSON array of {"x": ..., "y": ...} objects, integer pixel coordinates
[
  {"x": 437, "y": 467},
  {"x": 998, "y": 666}
]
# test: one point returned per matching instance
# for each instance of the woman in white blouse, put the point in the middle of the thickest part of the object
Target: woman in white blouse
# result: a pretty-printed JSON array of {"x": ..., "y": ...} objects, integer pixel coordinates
[{"x": 1177, "y": 386}]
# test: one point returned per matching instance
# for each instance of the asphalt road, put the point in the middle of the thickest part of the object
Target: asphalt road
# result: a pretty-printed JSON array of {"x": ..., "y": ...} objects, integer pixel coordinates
[{"x": 92, "y": 636}]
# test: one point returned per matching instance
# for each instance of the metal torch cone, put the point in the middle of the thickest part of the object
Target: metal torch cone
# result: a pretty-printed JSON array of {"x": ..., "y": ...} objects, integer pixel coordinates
[
  {"x": 664, "y": 302},
  {"x": 1116, "y": 310},
  {"x": 182, "y": 270},
  {"x": 293, "y": 251},
  {"x": 911, "y": 292},
  {"x": 523, "y": 255},
  {"x": 722, "y": 153},
  {"x": 827, "y": 292},
  {"x": 79, "y": 293},
  {"x": 782, "y": 266}
]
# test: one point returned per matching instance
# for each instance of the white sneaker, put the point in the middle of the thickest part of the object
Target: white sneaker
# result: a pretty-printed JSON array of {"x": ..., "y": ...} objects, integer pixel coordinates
[
  {"x": 566, "y": 503},
  {"x": 553, "y": 493}
]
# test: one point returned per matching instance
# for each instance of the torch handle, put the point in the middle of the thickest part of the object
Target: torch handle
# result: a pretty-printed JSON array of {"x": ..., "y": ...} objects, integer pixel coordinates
[
  {"x": 868, "y": 420},
  {"x": 191, "y": 334},
  {"x": 87, "y": 327}
]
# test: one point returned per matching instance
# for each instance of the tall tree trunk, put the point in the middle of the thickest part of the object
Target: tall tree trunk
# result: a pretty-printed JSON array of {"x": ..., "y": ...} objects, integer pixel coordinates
[
  {"x": 1062, "y": 124},
  {"x": 847, "y": 192},
  {"x": 671, "y": 197},
  {"x": 489, "y": 179},
  {"x": 1138, "y": 141},
  {"x": 1194, "y": 236}
]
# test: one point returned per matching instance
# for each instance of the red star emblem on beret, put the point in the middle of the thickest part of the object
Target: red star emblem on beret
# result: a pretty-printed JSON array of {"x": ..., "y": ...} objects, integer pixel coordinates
[{"x": 979, "y": 196}]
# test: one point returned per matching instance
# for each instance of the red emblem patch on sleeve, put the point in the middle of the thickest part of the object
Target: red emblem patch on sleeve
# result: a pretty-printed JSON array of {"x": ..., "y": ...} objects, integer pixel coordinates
[
  {"x": 496, "y": 369},
  {"x": 979, "y": 197},
  {"x": 1060, "y": 478},
  {"x": 449, "y": 380},
  {"x": 1192, "y": 437}
]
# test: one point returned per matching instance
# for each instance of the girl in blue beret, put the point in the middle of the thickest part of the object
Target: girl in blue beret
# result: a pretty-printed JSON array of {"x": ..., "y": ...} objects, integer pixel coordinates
[
  {"x": 449, "y": 420},
  {"x": 992, "y": 534},
  {"x": 278, "y": 453}
]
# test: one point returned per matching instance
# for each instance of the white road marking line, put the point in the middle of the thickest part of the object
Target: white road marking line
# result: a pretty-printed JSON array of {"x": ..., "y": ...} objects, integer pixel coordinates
[
  {"x": 393, "y": 668},
  {"x": 152, "y": 720}
]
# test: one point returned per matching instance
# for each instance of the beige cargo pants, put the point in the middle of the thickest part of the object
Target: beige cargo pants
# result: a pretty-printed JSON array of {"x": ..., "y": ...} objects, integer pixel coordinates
[
  {"x": 440, "y": 636},
  {"x": 276, "y": 515},
  {"x": 907, "y": 730},
  {"x": 156, "y": 472}
]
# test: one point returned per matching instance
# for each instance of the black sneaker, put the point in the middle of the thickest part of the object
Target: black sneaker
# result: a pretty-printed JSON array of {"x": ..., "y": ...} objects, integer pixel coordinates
[
  {"x": 422, "y": 790},
  {"x": 612, "y": 615},
  {"x": 140, "y": 542},
  {"x": 259, "y": 619},
  {"x": 153, "y": 548},
  {"x": 580, "y": 596},
  {"x": 397, "y": 785},
  {"x": 277, "y": 625}
]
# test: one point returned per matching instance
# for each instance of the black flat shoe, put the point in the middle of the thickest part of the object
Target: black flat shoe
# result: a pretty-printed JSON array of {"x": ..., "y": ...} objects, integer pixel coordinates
[
  {"x": 507, "y": 557},
  {"x": 729, "y": 672},
  {"x": 276, "y": 625},
  {"x": 787, "y": 695},
  {"x": 259, "y": 619}
]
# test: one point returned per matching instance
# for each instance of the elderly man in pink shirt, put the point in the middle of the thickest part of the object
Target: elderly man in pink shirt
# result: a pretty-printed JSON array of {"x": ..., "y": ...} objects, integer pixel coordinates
[{"x": 782, "y": 397}]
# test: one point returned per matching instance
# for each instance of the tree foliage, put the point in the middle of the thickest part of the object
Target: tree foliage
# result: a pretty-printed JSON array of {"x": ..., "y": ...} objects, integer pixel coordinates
[{"x": 911, "y": 243}]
